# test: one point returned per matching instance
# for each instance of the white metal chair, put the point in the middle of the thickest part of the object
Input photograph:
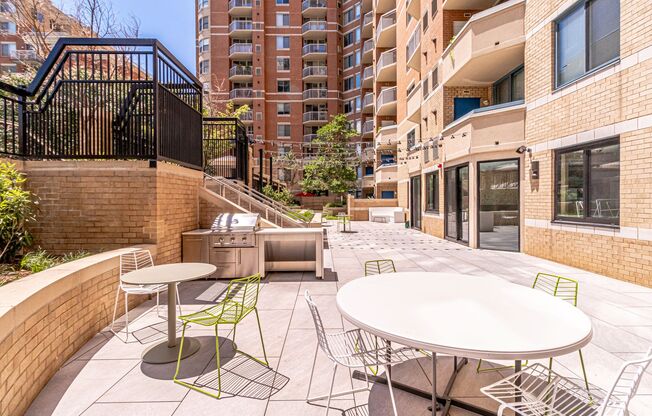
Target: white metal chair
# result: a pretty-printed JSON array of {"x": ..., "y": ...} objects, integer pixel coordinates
[
  {"x": 538, "y": 391},
  {"x": 353, "y": 349},
  {"x": 129, "y": 262}
]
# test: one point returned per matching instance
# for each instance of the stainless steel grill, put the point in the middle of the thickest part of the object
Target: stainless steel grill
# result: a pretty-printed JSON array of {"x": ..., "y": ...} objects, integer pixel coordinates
[{"x": 234, "y": 230}]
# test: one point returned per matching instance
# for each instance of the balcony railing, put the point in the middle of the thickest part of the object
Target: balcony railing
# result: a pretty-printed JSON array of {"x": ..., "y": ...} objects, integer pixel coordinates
[
  {"x": 368, "y": 72},
  {"x": 241, "y": 48},
  {"x": 368, "y": 100},
  {"x": 386, "y": 96},
  {"x": 414, "y": 42},
  {"x": 386, "y": 59},
  {"x": 368, "y": 126},
  {"x": 315, "y": 116},
  {"x": 239, "y": 3},
  {"x": 240, "y": 70},
  {"x": 368, "y": 18},
  {"x": 25, "y": 55},
  {"x": 316, "y": 25},
  {"x": 309, "y": 4},
  {"x": 368, "y": 46},
  {"x": 315, "y": 94},
  {"x": 386, "y": 20},
  {"x": 315, "y": 71},
  {"x": 248, "y": 116},
  {"x": 314, "y": 48},
  {"x": 241, "y": 93},
  {"x": 308, "y": 138},
  {"x": 241, "y": 25}
]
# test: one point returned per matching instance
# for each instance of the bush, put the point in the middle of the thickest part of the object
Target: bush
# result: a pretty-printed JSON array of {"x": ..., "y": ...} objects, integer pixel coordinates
[
  {"x": 17, "y": 210},
  {"x": 283, "y": 195},
  {"x": 37, "y": 261},
  {"x": 74, "y": 255},
  {"x": 335, "y": 204}
]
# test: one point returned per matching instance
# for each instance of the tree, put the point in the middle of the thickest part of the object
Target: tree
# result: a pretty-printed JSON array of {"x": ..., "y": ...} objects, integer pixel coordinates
[
  {"x": 333, "y": 170},
  {"x": 292, "y": 165},
  {"x": 17, "y": 211}
]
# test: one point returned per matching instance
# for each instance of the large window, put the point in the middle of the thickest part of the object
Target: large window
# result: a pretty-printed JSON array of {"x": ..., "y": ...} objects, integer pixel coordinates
[
  {"x": 432, "y": 192},
  {"x": 511, "y": 87},
  {"x": 588, "y": 37},
  {"x": 588, "y": 183},
  {"x": 282, "y": 63},
  {"x": 283, "y": 130},
  {"x": 352, "y": 37},
  {"x": 283, "y": 86},
  {"x": 351, "y": 14},
  {"x": 283, "y": 109},
  {"x": 282, "y": 19},
  {"x": 203, "y": 23},
  {"x": 282, "y": 42},
  {"x": 352, "y": 82}
]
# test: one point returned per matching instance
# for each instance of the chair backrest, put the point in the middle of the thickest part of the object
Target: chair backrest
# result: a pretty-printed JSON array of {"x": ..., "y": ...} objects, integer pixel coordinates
[
  {"x": 557, "y": 286},
  {"x": 135, "y": 260},
  {"x": 625, "y": 386},
  {"x": 319, "y": 325},
  {"x": 372, "y": 267},
  {"x": 244, "y": 292}
]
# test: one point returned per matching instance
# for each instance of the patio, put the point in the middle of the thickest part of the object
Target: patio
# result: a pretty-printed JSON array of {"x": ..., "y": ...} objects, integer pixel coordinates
[{"x": 107, "y": 376}]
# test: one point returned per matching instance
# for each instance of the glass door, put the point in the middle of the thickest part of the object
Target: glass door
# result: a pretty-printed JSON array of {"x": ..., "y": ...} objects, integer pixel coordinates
[
  {"x": 415, "y": 201},
  {"x": 498, "y": 205},
  {"x": 456, "y": 195}
]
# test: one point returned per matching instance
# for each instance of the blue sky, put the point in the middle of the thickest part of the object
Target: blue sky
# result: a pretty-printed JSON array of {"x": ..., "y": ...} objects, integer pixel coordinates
[{"x": 170, "y": 21}]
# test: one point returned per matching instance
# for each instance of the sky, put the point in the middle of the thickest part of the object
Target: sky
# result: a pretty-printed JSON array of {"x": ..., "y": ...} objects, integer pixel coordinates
[{"x": 170, "y": 21}]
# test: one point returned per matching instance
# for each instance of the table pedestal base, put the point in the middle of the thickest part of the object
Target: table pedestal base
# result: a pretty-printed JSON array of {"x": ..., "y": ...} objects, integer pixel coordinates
[{"x": 162, "y": 354}]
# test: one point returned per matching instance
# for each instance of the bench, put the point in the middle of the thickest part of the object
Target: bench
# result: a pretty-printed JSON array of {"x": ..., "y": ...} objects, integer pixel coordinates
[{"x": 386, "y": 214}]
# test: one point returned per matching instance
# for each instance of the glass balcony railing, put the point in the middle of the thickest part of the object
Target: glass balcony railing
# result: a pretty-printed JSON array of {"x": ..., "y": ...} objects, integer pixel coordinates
[
  {"x": 368, "y": 100},
  {"x": 386, "y": 96},
  {"x": 414, "y": 42},
  {"x": 368, "y": 126},
  {"x": 386, "y": 59},
  {"x": 315, "y": 94},
  {"x": 241, "y": 93},
  {"x": 239, "y": 3},
  {"x": 386, "y": 20},
  {"x": 248, "y": 116},
  {"x": 241, "y": 48},
  {"x": 313, "y": 25},
  {"x": 240, "y": 70},
  {"x": 309, "y": 4},
  {"x": 308, "y": 138},
  {"x": 315, "y": 116},
  {"x": 368, "y": 46},
  {"x": 368, "y": 18},
  {"x": 315, "y": 71},
  {"x": 314, "y": 48},
  {"x": 368, "y": 72},
  {"x": 241, "y": 25}
]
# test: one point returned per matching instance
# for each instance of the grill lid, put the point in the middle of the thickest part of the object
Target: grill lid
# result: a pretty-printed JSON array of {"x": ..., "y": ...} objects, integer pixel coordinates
[{"x": 235, "y": 222}]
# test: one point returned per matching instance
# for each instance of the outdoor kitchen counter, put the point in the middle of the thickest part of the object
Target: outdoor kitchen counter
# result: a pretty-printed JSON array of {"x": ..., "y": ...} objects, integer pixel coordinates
[{"x": 291, "y": 249}]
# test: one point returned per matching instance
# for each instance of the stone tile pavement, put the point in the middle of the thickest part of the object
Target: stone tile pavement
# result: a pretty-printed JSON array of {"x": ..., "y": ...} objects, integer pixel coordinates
[{"x": 106, "y": 377}]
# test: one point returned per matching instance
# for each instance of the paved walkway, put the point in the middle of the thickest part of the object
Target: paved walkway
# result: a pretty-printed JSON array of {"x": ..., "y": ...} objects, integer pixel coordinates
[{"x": 106, "y": 377}]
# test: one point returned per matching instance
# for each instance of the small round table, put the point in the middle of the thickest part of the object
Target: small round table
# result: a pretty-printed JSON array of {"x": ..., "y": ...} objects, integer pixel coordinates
[
  {"x": 169, "y": 274},
  {"x": 343, "y": 219},
  {"x": 464, "y": 316}
]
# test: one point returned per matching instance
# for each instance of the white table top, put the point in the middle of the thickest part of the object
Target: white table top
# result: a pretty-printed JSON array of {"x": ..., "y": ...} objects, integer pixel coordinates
[
  {"x": 467, "y": 316},
  {"x": 168, "y": 273}
]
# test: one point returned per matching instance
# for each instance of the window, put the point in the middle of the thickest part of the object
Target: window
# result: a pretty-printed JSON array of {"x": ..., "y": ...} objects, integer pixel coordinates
[
  {"x": 351, "y": 14},
  {"x": 282, "y": 2},
  {"x": 283, "y": 130},
  {"x": 587, "y": 187},
  {"x": 432, "y": 192},
  {"x": 435, "y": 78},
  {"x": 511, "y": 87},
  {"x": 282, "y": 64},
  {"x": 352, "y": 37},
  {"x": 368, "y": 170},
  {"x": 203, "y": 46},
  {"x": 351, "y": 60},
  {"x": 587, "y": 38},
  {"x": 283, "y": 86},
  {"x": 411, "y": 138},
  {"x": 204, "y": 67},
  {"x": 352, "y": 82},
  {"x": 8, "y": 28},
  {"x": 282, "y": 19},
  {"x": 352, "y": 105},
  {"x": 203, "y": 23},
  {"x": 424, "y": 22},
  {"x": 201, "y": 4},
  {"x": 283, "y": 109},
  {"x": 282, "y": 42},
  {"x": 433, "y": 7},
  {"x": 387, "y": 194}
]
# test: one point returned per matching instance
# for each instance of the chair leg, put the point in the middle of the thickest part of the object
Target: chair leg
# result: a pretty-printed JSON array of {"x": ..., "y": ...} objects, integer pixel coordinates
[
  {"x": 126, "y": 316},
  {"x": 217, "y": 358},
  {"x": 115, "y": 309},
  {"x": 312, "y": 373},
  {"x": 586, "y": 379},
  {"x": 391, "y": 391},
  {"x": 330, "y": 391},
  {"x": 157, "y": 305},
  {"x": 176, "y": 287},
  {"x": 262, "y": 340}
]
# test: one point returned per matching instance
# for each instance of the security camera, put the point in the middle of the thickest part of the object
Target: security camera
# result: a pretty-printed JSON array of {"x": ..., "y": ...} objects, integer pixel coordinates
[{"x": 523, "y": 149}]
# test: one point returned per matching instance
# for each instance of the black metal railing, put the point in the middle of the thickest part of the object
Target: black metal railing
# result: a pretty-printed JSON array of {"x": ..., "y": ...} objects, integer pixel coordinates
[
  {"x": 105, "y": 99},
  {"x": 226, "y": 148}
]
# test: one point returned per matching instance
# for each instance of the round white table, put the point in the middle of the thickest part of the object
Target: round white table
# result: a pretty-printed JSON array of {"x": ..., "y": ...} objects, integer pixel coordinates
[
  {"x": 464, "y": 316},
  {"x": 169, "y": 274}
]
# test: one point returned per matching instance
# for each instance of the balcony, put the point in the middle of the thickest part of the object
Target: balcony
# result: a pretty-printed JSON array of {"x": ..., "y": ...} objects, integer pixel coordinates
[
  {"x": 25, "y": 55},
  {"x": 386, "y": 31},
  {"x": 368, "y": 103},
  {"x": 386, "y": 136},
  {"x": 314, "y": 51},
  {"x": 413, "y": 50},
  {"x": 367, "y": 25},
  {"x": 240, "y": 8},
  {"x": 315, "y": 29},
  {"x": 315, "y": 117},
  {"x": 368, "y": 77},
  {"x": 240, "y": 73},
  {"x": 387, "y": 173},
  {"x": 386, "y": 67},
  {"x": 487, "y": 129},
  {"x": 490, "y": 45},
  {"x": 367, "y": 182},
  {"x": 368, "y": 128},
  {"x": 367, "y": 52},
  {"x": 241, "y": 51},
  {"x": 366, "y": 6},
  {"x": 414, "y": 8},
  {"x": 368, "y": 154},
  {"x": 314, "y": 8},
  {"x": 315, "y": 95},
  {"x": 247, "y": 117},
  {"x": 386, "y": 102},
  {"x": 241, "y": 28},
  {"x": 308, "y": 139},
  {"x": 414, "y": 104},
  {"x": 383, "y": 6},
  {"x": 241, "y": 95},
  {"x": 315, "y": 73},
  {"x": 468, "y": 4}
]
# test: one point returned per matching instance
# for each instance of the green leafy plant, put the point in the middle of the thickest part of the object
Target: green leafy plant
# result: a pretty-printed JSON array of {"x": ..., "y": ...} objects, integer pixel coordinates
[
  {"x": 282, "y": 195},
  {"x": 74, "y": 255},
  {"x": 17, "y": 210},
  {"x": 37, "y": 261}
]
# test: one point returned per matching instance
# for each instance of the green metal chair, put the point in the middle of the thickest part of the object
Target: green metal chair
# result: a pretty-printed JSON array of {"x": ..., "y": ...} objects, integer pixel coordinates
[
  {"x": 373, "y": 267},
  {"x": 560, "y": 287},
  {"x": 239, "y": 300}
]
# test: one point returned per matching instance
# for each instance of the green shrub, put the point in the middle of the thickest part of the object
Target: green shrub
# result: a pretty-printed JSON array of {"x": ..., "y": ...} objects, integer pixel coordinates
[
  {"x": 37, "y": 261},
  {"x": 17, "y": 210},
  {"x": 74, "y": 255},
  {"x": 282, "y": 195}
]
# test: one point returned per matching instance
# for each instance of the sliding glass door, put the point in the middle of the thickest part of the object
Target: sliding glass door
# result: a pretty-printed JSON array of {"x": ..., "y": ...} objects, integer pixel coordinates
[
  {"x": 415, "y": 201},
  {"x": 498, "y": 205},
  {"x": 457, "y": 203}
]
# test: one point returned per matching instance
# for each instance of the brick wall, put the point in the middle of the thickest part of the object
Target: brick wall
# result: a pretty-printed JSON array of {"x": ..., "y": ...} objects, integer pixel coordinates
[{"x": 358, "y": 209}]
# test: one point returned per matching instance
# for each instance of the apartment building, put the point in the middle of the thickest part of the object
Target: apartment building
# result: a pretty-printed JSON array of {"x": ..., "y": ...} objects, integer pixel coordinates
[{"x": 510, "y": 121}]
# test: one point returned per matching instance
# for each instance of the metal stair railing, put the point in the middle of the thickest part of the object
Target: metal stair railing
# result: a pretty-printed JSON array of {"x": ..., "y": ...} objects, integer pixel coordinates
[{"x": 248, "y": 198}]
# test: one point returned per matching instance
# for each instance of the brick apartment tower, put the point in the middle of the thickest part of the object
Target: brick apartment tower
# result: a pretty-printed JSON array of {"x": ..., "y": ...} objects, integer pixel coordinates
[{"x": 283, "y": 58}]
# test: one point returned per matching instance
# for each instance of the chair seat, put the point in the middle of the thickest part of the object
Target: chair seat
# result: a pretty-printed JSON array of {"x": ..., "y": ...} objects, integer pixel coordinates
[
  {"x": 143, "y": 289},
  {"x": 226, "y": 312},
  {"x": 358, "y": 348}
]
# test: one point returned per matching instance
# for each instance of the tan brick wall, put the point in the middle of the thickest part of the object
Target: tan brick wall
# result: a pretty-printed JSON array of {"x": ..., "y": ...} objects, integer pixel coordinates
[
  {"x": 432, "y": 225},
  {"x": 450, "y": 93},
  {"x": 358, "y": 209}
]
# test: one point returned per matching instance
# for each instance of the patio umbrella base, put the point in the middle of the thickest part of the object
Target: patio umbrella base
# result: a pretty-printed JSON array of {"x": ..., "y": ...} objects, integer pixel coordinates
[{"x": 162, "y": 354}]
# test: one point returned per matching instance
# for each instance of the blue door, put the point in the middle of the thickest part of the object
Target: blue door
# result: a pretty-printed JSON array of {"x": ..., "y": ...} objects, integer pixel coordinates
[{"x": 462, "y": 106}]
